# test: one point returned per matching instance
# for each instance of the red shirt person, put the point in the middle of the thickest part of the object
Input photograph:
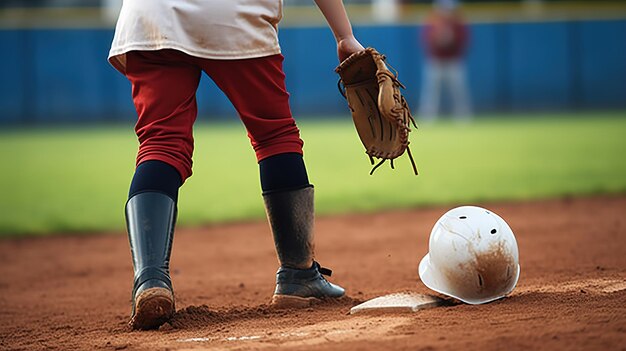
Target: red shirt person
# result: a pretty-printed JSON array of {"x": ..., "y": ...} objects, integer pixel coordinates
[
  {"x": 445, "y": 34},
  {"x": 444, "y": 38}
]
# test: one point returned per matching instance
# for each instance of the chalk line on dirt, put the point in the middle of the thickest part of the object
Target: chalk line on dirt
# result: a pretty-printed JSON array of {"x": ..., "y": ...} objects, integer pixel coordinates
[{"x": 362, "y": 328}]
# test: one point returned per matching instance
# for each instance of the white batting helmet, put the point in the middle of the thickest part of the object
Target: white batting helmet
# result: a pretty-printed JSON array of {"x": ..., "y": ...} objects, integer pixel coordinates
[{"x": 472, "y": 256}]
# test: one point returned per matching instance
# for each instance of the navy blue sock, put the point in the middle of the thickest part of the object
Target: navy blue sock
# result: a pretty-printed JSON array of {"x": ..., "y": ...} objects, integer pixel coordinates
[
  {"x": 283, "y": 172},
  {"x": 155, "y": 176}
]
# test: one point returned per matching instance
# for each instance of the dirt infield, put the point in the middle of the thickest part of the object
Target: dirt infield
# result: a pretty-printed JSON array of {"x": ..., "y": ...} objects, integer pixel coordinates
[{"x": 65, "y": 293}]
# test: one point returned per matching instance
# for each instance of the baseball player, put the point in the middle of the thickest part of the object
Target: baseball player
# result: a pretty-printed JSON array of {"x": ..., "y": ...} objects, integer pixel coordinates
[
  {"x": 445, "y": 38},
  {"x": 162, "y": 47}
]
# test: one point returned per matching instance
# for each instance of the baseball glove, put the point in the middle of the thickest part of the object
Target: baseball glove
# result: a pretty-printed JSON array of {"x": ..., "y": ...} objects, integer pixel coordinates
[{"x": 379, "y": 111}]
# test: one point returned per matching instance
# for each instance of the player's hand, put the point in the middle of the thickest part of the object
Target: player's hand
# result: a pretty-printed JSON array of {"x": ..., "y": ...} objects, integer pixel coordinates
[{"x": 347, "y": 46}]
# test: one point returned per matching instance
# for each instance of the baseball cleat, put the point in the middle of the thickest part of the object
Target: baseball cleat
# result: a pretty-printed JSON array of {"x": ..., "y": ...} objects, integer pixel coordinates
[
  {"x": 296, "y": 288},
  {"x": 151, "y": 308}
]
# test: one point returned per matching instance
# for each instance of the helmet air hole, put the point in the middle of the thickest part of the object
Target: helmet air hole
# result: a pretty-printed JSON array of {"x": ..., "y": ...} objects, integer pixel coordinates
[
  {"x": 480, "y": 280},
  {"x": 463, "y": 217},
  {"x": 493, "y": 231}
]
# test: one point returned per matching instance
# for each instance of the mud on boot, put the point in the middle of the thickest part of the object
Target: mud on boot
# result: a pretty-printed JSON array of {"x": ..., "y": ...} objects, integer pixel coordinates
[{"x": 153, "y": 305}]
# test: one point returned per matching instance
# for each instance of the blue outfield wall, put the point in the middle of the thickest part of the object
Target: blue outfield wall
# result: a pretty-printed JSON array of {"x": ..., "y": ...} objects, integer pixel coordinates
[{"x": 50, "y": 75}]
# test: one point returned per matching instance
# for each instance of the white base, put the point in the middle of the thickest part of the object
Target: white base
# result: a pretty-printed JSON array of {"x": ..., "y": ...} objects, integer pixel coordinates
[{"x": 398, "y": 302}]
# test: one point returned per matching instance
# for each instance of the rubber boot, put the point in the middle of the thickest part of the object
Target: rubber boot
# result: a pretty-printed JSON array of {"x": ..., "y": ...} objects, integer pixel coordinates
[
  {"x": 299, "y": 280},
  {"x": 150, "y": 218}
]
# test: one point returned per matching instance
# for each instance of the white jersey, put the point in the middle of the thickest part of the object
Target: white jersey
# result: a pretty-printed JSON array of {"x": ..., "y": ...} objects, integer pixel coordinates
[{"x": 214, "y": 29}]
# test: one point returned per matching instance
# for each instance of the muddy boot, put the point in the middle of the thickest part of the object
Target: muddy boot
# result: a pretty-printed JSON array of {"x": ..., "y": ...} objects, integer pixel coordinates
[
  {"x": 299, "y": 280},
  {"x": 150, "y": 217},
  {"x": 302, "y": 287}
]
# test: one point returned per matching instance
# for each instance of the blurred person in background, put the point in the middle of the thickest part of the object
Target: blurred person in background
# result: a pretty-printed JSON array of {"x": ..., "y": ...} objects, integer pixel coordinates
[
  {"x": 444, "y": 38},
  {"x": 163, "y": 47}
]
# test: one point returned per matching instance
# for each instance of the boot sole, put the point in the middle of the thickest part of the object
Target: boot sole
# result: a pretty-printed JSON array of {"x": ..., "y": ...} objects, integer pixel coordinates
[
  {"x": 154, "y": 307},
  {"x": 289, "y": 301}
]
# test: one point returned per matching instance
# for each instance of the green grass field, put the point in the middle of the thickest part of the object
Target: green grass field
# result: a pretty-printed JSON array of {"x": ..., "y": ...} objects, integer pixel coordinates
[{"x": 76, "y": 179}]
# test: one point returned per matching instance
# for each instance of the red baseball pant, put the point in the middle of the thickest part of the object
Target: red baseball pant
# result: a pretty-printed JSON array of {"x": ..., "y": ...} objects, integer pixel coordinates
[{"x": 164, "y": 85}]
